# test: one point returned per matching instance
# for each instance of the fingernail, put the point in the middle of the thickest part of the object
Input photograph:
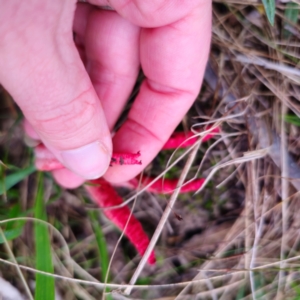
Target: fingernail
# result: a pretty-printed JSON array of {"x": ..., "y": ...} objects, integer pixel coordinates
[
  {"x": 90, "y": 161},
  {"x": 30, "y": 142}
]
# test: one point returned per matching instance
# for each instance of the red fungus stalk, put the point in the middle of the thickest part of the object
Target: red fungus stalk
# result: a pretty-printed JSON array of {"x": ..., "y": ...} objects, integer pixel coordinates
[
  {"x": 104, "y": 195},
  {"x": 166, "y": 186},
  {"x": 184, "y": 140},
  {"x": 125, "y": 159},
  {"x": 46, "y": 161}
]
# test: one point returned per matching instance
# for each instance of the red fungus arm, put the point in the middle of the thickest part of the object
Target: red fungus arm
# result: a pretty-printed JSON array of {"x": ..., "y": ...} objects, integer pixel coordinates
[
  {"x": 46, "y": 161},
  {"x": 184, "y": 140},
  {"x": 166, "y": 186},
  {"x": 104, "y": 195},
  {"x": 125, "y": 159}
]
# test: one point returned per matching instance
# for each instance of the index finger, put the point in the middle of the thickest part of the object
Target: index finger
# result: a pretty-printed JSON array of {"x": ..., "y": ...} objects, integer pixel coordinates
[{"x": 173, "y": 59}]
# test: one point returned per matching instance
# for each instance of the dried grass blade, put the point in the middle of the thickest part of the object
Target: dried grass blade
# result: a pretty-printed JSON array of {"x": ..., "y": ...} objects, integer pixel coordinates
[{"x": 163, "y": 219}]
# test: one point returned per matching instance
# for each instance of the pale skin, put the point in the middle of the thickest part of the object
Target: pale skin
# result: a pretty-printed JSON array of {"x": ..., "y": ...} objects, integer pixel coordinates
[{"x": 72, "y": 105}]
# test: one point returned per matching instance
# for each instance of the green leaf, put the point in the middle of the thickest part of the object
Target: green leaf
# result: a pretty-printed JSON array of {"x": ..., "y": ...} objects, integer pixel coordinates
[
  {"x": 292, "y": 119},
  {"x": 45, "y": 288},
  {"x": 102, "y": 248},
  {"x": 14, "y": 212},
  {"x": 13, "y": 229},
  {"x": 14, "y": 178},
  {"x": 270, "y": 10},
  {"x": 101, "y": 243},
  {"x": 291, "y": 13},
  {"x": 11, "y": 234}
]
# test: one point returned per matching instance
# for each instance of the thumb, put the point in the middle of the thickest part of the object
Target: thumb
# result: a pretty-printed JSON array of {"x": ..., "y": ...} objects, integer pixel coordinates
[{"x": 45, "y": 76}]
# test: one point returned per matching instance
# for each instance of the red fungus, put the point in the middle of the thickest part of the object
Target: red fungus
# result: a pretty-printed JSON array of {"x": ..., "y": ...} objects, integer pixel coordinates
[
  {"x": 183, "y": 140},
  {"x": 167, "y": 186},
  {"x": 105, "y": 196},
  {"x": 46, "y": 161},
  {"x": 125, "y": 159}
]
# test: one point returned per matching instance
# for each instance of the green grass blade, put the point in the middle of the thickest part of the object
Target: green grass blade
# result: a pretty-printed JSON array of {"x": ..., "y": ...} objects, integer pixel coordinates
[
  {"x": 101, "y": 243},
  {"x": 12, "y": 229},
  {"x": 14, "y": 212},
  {"x": 102, "y": 248},
  {"x": 270, "y": 10},
  {"x": 291, "y": 13},
  {"x": 292, "y": 119},
  {"x": 11, "y": 234},
  {"x": 45, "y": 288},
  {"x": 14, "y": 178}
]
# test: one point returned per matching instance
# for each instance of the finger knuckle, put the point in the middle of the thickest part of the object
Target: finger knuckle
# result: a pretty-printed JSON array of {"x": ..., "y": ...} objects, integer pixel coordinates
[{"x": 65, "y": 121}]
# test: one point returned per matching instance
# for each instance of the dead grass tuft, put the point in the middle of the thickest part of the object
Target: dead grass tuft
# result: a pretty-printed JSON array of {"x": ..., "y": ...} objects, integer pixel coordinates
[{"x": 239, "y": 236}]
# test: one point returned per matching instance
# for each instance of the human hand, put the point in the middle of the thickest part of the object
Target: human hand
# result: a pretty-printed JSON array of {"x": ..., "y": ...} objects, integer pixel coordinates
[{"x": 38, "y": 60}]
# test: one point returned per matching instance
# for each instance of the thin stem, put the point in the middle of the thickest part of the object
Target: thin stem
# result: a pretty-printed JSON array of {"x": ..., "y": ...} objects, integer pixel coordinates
[{"x": 163, "y": 219}]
